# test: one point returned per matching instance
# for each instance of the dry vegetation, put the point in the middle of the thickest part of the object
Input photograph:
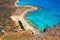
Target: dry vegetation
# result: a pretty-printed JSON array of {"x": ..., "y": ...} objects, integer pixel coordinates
[
  {"x": 53, "y": 34},
  {"x": 7, "y": 8}
]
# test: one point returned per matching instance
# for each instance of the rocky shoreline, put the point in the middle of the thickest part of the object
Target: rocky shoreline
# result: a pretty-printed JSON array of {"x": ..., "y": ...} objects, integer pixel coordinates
[{"x": 11, "y": 27}]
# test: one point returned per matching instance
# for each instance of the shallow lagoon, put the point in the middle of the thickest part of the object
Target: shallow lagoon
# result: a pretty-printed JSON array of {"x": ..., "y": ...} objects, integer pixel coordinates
[{"x": 47, "y": 15}]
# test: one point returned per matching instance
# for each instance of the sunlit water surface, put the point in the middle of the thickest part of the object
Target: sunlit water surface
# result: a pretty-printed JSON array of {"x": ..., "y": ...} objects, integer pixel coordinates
[{"x": 47, "y": 15}]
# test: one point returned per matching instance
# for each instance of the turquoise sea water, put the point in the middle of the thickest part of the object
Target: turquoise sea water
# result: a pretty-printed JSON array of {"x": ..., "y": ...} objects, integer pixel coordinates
[{"x": 46, "y": 16}]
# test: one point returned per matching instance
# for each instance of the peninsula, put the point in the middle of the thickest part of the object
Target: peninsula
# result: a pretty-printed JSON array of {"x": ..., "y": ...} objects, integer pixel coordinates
[{"x": 14, "y": 26}]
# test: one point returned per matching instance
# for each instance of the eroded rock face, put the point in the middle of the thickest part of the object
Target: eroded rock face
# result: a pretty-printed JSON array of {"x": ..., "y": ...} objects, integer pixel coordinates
[
  {"x": 7, "y": 3},
  {"x": 7, "y": 7},
  {"x": 53, "y": 31},
  {"x": 48, "y": 35}
]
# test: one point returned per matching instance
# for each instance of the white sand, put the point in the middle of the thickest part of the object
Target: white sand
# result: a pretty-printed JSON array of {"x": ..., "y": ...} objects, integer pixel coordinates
[
  {"x": 22, "y": 19},
  {"x": 16, "y": 3}
]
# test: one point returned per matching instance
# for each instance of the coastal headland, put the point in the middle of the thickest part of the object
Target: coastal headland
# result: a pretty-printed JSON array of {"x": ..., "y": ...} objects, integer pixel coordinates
[
  {"x": 21, "y": 16},
  {"x": 10, "y": 14}
]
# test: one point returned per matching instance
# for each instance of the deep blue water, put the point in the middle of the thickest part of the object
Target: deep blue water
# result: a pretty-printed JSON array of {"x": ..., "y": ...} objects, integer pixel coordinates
[{"x": 48, "y": 15}]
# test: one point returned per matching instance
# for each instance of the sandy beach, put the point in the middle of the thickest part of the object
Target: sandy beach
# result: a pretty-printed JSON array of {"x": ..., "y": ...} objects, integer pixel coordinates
[
  {"x": 21, "y": 17},
  {"x": 10, "y": 13}
]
